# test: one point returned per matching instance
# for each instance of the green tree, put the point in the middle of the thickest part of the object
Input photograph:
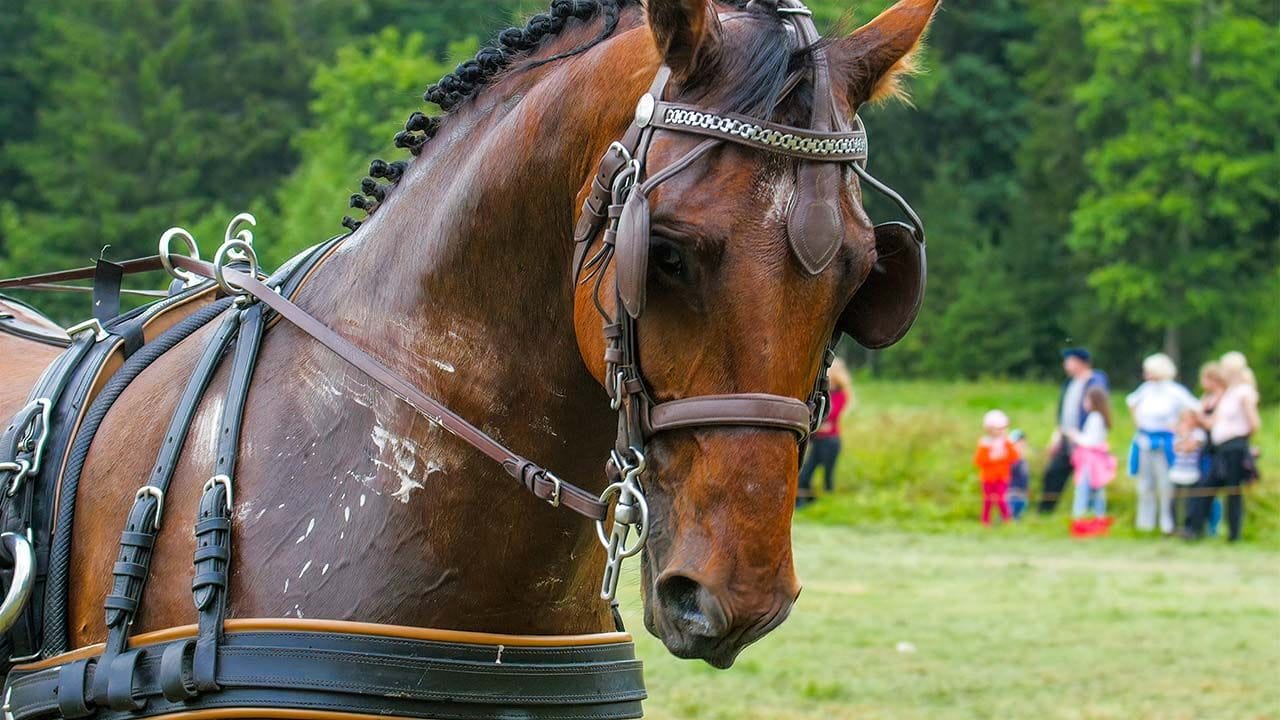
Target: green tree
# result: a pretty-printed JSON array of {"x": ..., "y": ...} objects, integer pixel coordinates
[
  {"x": 1182, "y": 203},
  {"x": 360, "y": 101}
]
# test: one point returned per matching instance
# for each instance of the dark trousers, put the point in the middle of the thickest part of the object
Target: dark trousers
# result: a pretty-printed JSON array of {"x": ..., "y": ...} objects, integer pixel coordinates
[
  {"x": 823, "y": 452},
  {"x": 1055, "y": 478},
  {"x": 1227, "y": 476}
]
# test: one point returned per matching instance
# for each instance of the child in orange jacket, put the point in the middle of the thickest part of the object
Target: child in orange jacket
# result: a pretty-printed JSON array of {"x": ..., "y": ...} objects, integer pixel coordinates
[{"x": 994, "y": 459}]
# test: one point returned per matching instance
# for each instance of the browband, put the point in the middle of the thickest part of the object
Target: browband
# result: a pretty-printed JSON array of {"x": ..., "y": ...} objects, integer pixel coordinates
[{"x": 813, "y": 145}]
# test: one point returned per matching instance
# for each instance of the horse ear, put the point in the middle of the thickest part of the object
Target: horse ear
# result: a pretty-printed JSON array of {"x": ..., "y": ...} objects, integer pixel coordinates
[
  {"x": 680, "y": 29},
  {"x": 887, "y": 303},
  {"x": 879, "y": 54}
]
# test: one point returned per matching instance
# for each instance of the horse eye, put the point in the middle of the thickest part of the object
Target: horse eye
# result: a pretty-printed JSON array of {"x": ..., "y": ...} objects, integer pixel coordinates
[{"x": 668, "y": 259}]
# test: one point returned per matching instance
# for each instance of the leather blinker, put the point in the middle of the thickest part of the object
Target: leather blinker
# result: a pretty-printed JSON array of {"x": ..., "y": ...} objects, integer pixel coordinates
[
  {"x": 632, "y": 252},
  {"x": 886, "y": 305}
]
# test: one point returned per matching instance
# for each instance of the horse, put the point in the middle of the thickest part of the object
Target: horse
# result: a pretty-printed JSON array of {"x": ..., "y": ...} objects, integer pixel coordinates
[{"x": 351, "y": 506}]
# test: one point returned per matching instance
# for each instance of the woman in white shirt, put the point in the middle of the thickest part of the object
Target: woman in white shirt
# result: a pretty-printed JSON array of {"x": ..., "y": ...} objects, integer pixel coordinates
[
  {"x": 1235, "y": 418},
  {"x": 1156, "y": 406}
]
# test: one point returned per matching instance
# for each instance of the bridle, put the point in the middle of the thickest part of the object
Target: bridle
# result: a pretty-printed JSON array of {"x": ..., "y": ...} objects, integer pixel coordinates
[
  {"x": 616, "y": 212},
  {"x": 618, "y": 205}
]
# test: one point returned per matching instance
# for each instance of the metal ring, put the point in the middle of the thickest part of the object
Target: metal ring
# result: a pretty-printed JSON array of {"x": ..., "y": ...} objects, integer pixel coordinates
[
  {"x": 236, "y": 232},
  {"x": 192, "y": 249},
  {"x": 609, "y": 492},
  {"x": 224, "y": 254},
  {"x": 24, "y": 560}
]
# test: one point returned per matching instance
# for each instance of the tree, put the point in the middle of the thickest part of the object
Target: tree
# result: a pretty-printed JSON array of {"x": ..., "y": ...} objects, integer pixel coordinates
[
  {"x": 360, "y": 101},
  {"x": 1182, "y": 204}
]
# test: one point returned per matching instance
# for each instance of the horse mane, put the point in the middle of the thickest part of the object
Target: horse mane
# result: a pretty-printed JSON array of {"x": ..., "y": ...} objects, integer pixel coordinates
[{"x": 757, "y": 77}]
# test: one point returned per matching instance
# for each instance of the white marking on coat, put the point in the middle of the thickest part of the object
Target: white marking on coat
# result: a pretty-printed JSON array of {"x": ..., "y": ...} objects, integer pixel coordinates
[
  {"x": 324, "y": 570},
  {"x": 306, "y": 566},
  {"x": 443, "y": 365}
]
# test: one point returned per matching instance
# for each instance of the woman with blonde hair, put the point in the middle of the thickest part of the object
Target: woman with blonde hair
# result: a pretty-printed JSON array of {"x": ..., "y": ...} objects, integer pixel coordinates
[
  {"x": 824, "y": 443},
  {"x": 1156, "y": 406},
  {"x": 1235, "y": 418}
]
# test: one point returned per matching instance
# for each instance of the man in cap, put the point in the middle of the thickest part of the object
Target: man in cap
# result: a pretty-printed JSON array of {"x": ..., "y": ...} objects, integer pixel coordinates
[{"x": 1077, "y": 363}]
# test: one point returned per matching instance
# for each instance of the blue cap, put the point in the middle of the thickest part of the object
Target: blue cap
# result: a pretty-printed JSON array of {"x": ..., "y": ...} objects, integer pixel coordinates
[{"x": 1077, "y": 352}]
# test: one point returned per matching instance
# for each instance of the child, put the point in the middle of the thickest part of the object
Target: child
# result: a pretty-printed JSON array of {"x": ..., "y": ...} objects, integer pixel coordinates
[
  {"x": 1188, "y": 460},
  {"x": 994, "y": 458},
  {"x": 1019, "y": 476},
  {"x": 1092, "y": 460}
]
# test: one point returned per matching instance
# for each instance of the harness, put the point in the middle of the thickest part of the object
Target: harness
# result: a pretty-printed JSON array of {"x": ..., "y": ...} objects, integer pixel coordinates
[{"x": 315, "y": 668}]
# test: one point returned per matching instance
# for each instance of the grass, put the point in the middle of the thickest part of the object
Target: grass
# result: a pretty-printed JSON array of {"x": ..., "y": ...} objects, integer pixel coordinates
[
  {"x": 1000, "y": 624},
  {"x": 907, "y": 450},
  {"x": 1008, "y": 622}
]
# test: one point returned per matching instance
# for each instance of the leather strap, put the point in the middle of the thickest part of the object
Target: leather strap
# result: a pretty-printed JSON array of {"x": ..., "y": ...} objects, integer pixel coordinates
[
  {"x": 743, "y": 409},
  {"x": 344, "y": 672},
  {"x": 535, "y": 478}
]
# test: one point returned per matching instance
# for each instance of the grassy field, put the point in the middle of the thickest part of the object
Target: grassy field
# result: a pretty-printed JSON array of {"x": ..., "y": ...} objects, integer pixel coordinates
[
  {"x": 907, "y": 450},
  {"x": 1003, "y": 624},
  {"x": 1008, "y": 622}
]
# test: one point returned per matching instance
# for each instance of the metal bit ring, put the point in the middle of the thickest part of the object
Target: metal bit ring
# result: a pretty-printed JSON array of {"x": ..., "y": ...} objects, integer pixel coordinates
[
  {"x": 193, "y": 250},
  {"x": 225, "y": 253}
]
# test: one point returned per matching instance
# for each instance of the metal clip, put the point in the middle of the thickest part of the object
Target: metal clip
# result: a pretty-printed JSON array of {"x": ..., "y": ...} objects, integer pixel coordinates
[
  {"x": 631, "y": 511},
  {"x": 20, "y": 469}
]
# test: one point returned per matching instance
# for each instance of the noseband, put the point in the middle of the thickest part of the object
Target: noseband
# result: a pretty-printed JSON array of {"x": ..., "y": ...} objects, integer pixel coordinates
[{"x": 618, "y": 203}]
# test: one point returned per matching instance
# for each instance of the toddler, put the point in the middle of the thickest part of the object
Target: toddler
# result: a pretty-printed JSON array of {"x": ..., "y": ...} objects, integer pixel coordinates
[
  {"x": 1019, "y": 476},
  {"x": 995, "y": 457}
]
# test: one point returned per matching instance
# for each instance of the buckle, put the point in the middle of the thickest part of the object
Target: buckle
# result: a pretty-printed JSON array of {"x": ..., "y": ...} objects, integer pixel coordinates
[
  {"x": 223, "y": 480},
  {"x": 91, "y": 324},
  {"x": 556, "y": 485},
  {"x": 156, "y": 493}
]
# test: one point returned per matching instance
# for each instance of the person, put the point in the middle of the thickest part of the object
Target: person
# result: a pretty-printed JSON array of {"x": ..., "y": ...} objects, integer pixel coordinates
[
  {"x": 824, "y": 444},
  {"x": 1234, "y": 420},
  {"x": 1019, "y": 476},
  {"x": 1095, "y": 466},
  {"x": 1156, "y": 406},
  {"x": 994, "y": 458},
  {"x": 1077, "y": 363},
  {"x": 1212, "y": 386},
  {"x": 1189, "y": 444}
]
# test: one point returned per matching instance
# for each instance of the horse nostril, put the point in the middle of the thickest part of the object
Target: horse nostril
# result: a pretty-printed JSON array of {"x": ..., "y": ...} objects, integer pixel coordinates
[{"x": 685, "y": 600}]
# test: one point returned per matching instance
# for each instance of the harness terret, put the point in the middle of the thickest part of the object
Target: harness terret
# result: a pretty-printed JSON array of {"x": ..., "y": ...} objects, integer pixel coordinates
[{"x": 322, "y": 668}]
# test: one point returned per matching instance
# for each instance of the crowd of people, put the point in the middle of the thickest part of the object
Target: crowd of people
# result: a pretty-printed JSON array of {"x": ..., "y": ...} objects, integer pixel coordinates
[
  {"x": 1186, "y": 456},
  {"x": 1187, "y": 451}
]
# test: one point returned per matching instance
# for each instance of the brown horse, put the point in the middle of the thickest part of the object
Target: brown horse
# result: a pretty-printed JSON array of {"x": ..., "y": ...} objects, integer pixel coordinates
[{"x": 350, "y": 506}]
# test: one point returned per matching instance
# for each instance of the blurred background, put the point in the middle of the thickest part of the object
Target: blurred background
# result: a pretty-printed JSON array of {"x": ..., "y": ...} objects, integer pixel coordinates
[{"x": 1098, "y": 173}]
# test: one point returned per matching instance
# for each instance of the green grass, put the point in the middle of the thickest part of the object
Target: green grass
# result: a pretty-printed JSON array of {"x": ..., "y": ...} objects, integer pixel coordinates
[
  {"x": 908, "y": 445},
  {"x": 1005, "y": 624}
]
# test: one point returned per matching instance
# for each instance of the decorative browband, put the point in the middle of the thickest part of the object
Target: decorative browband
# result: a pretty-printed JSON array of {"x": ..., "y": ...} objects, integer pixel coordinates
[{"x": 785, "y": 139}]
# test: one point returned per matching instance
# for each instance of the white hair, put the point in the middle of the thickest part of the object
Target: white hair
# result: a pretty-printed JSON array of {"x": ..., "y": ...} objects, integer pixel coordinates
[
  {"x": 1159, "y": 367},
  {"x": 1235, "y": 369}
]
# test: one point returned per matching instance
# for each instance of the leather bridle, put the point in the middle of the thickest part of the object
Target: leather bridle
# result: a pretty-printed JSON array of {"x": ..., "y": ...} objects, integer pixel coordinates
[
  {"x": 618, "y": 205},
  {"x": 616, "y": 213}
]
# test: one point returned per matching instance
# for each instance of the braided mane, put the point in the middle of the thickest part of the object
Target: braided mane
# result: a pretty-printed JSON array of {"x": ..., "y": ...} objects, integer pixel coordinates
[{"x": 511, "y": 46}]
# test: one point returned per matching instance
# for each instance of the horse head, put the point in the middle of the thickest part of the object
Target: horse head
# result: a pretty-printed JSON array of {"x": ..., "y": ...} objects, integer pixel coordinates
[{"x": 728, "y": 274}]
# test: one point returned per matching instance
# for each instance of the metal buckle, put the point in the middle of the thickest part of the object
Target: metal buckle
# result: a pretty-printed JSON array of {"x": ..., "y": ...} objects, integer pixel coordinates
[
  {"x": 631, "y": 511},
  {"x": 18, "y": 546},
  {"x": 225, "y": 481},
  {"x": 91, "y": 324},
  {"x": 156, "y": 493},
  {"x": 554, "y": 500},
  {"x": 20, "y": 468},
  {"x": 615, "y": 402},
  {"x": 33, "y": 441}
]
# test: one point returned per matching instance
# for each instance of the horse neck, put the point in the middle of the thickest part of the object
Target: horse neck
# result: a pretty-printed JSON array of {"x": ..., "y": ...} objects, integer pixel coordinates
[{"x": 461, "y": 282}]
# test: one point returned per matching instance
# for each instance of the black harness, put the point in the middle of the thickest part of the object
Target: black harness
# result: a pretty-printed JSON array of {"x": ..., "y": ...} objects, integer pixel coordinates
[{"x": 303, "y": 666}]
